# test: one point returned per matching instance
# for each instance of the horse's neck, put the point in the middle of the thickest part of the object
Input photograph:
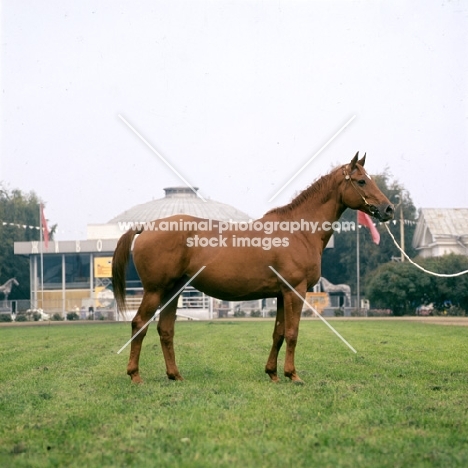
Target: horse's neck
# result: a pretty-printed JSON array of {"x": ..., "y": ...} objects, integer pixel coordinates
[
  {"x": 319, "y": 203},
  {"x": 316, "y": 210}
]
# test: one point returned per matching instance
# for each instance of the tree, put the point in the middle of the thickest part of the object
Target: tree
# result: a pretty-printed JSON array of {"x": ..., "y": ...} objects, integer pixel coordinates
[
  {"x": 19, "y": 221},
  {"x": 403, "y": 287},
  {"x": 400, "y": 287},
  {"x": 339, "y": 263},
  {"x": 448, "y": 291}
]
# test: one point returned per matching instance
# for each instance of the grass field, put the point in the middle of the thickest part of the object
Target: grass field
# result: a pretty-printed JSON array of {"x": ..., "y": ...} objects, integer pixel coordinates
[{"x": 402, "y": 401}]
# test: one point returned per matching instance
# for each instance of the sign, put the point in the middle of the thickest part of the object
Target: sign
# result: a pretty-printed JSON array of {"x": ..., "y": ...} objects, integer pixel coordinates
[
  {"x": 102, "y": 267},
  {"x": 317, "y": 300}
]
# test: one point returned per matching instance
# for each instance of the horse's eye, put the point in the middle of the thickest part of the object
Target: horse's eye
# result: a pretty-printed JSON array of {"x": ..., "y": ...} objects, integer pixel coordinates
[{"x": 361, "y": 182}]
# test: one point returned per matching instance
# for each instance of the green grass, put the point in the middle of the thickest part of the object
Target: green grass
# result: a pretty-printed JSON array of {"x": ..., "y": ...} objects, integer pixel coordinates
[{"x": 65, "y": 399}]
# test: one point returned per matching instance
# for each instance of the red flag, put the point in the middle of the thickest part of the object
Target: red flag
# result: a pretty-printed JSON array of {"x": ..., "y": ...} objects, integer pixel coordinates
[
  {"x": 365, "y": 220},
  {"x": 44, "y": 228}
]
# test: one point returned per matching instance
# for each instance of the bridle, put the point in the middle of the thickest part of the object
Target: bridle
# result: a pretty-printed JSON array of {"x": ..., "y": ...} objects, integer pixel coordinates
[{"x": 372, "y": 208}]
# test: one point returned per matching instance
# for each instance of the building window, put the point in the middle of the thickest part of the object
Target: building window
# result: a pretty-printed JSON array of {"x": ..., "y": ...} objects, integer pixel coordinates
[
  {"x": 77, "y": 271},
  {"x": 52, "y": 271}
]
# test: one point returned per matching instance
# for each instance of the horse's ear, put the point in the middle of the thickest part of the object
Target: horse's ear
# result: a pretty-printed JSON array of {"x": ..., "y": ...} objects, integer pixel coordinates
[
  {"x": 362, "y": 161},
  {"x": 352, "y": 164}
]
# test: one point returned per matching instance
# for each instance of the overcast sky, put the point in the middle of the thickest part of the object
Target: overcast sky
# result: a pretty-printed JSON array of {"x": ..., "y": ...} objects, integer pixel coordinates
[{"x": 236, "y": 95}]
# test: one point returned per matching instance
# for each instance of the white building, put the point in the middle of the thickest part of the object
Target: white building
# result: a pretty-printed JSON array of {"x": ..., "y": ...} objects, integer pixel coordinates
[{"x": 441, "y": 231}]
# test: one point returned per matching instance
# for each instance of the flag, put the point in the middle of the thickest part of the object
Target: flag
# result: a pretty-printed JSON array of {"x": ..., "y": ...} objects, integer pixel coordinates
[
  {"x": 365, "y": 220},
  {"x": 44, "y": 228}
]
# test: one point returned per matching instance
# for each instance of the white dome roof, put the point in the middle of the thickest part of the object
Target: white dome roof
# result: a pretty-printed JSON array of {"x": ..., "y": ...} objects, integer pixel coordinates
[{"x": 180, "y": 200}]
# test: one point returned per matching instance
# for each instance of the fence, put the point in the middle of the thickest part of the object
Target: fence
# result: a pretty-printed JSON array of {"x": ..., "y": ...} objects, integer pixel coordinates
[
  {"x": 54, "y": 309},
  {"x": 190, "y": 300}
]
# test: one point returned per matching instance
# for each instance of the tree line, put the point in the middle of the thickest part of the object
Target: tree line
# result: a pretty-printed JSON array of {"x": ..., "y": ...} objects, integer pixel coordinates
[
  {"x": 19, "y": 220},
  {"x": 403, "y": 288}
]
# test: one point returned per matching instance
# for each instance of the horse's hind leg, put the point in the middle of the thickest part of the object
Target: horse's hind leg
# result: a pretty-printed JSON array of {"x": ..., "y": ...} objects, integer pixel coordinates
[
  {"x": 278, "y": 338},
  {"x": 148, "y": 306},
  {"x": 166, "y": 336}
]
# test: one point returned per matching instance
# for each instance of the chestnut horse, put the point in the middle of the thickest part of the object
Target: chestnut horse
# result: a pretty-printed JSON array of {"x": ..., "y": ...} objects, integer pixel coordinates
[{"x": 238, "y": 269}]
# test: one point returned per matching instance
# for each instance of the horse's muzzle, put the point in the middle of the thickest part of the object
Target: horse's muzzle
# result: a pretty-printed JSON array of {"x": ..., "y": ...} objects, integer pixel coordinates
[{"x": 384, "y": 212}]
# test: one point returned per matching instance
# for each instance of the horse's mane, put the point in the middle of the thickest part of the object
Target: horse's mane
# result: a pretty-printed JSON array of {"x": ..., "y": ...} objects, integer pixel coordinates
[{"x": 318, "y": 188}]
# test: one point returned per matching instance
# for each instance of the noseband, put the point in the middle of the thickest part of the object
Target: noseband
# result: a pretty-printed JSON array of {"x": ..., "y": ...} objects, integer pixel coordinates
[{"x": 372, "y": 208}]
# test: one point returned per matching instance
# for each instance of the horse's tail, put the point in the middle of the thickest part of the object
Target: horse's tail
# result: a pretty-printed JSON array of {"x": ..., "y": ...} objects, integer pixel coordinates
[{"x": 119, "y": 267}]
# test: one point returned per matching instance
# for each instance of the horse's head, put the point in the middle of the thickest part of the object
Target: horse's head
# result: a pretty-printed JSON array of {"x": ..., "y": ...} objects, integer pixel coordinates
[
  {"x": 361, "y": 192},
  {"x": 15, "y": 282}
]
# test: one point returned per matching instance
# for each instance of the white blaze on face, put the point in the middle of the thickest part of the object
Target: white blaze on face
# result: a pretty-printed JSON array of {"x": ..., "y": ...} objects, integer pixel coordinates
[{"x": 367, "y": 175}]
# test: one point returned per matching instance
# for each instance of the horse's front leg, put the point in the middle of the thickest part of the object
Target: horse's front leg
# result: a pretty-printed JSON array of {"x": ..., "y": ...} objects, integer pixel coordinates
[
  {"x": 292, "y": 316},
  {"x": 278, "y": 338}
]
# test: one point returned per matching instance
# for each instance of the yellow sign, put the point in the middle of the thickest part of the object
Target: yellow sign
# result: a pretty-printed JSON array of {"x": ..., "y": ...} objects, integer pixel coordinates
[
  {"x": 317, "y": 300},
  {"x": 102, "y": 267}
]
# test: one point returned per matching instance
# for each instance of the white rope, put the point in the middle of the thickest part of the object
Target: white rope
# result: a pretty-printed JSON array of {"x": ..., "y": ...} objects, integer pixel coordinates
[{"x": 442, "y": 275}]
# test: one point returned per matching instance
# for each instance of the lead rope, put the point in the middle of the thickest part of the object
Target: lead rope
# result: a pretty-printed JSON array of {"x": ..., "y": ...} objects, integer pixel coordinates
[{"x": 442, "y": 275}]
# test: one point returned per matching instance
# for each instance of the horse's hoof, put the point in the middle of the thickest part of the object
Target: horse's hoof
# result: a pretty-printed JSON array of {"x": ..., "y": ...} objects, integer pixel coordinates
[
  {"x": 298, "y": 382},
  {"x": 295, "y": 379},
  {"x": 136, "y": 379},
  {"x": 177, "y": 377},
  {"x": 272, "y": 374}
]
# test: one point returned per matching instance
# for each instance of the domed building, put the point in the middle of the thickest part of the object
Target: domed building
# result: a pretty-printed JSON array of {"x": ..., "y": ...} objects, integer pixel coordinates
[
  {"x": 178, "y": 200},
  {"x": 77, "y": 273},
  {"x": 181, "y": 200}
]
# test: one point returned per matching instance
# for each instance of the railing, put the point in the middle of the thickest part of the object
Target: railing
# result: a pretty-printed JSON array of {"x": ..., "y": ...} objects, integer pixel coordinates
[
  {"x": 133, "y": 302},
  {"x": 190, "y": 299},
  {"x": 55, "y": 309}
]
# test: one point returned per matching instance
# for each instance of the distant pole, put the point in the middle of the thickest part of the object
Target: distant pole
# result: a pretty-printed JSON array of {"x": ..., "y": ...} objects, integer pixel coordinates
[
  {"x": 41, "y": 255},
  {"x": 358, "y": 306},
  {"x": 402, "y": 228}
]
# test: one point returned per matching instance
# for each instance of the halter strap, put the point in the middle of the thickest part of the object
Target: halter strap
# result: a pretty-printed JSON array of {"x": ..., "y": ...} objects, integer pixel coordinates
[{"x": 347, "y": 177}]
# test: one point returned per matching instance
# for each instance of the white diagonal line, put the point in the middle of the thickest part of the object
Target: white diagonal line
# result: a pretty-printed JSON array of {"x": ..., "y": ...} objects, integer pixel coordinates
[
  {"x": 312, "y": 158},
  {"x": 161, "y": 309},
  {"x": 313, "y": 310},
  {"x": 162, "y": 158}
]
